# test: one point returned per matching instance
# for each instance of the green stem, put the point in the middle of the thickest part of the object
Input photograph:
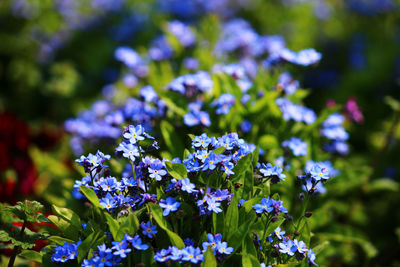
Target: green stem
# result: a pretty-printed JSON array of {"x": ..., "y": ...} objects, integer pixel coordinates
[
  {"x": 17, "y": 249},
  {"x": 303, "y": 212}
]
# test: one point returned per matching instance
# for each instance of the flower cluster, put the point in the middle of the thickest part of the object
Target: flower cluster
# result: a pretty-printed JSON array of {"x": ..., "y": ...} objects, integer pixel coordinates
[
  {"x": 296, "y": 145},
  {"x": 272, "y": 172},
  {"x": 270, "y": 206},
  {"x": 204, "y": 158},
  {"x": 211, "y": 201},
  {"x": 295, "y": 112},
  {"x": 65, "y": 252},
  {"x": 103, "y": 120},
  {"x": 333, "y": 130}
]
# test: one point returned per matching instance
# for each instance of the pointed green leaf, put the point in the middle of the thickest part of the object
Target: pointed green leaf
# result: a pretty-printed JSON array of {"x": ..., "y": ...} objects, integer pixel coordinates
[
  {"x": 112, "y": 224},
  {"x": 31, "y": 255},
  {"x": 209, "y": 259},
  {"x": 176, "y": 170},
  {"x": 156, "y": 211},
  {"x": 67, "y": 215},
  {"x": 91, "y": 195}
]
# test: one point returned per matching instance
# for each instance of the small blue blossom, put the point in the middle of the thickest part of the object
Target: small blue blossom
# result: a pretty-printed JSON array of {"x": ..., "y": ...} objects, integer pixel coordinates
[
  {"x": 201, "y": 141},
  {"x": 157, "y": 171},
  {"x": 68, "y": 251},
  {"x": 275, "y": 172},
  {"x": 298, "y": 147},
  {"x": 128, "y": 150},
  {"x": 137, "y": 243},
  {"x": 108, "y": 202},
  {"x": 223, "y": 248},
  {"x": 192, "y": 254},
  {"x": 311, "y": 257},
  {"x": 265, "y": 206},
  {"x": 121, "y": 250},
  {"x": 148, "y": 229},
  {"x": 187, "y": 186},
  {"x": 134, "y": 133},
  {"x": 224, "y": 103},
  {"x": 285, "y": 247},
  {"x": 170, "y": 204},
  {"x": 319, "y": 173}
]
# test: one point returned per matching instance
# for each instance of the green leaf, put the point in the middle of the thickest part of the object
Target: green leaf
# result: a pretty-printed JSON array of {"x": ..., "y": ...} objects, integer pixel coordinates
[
  {"x": 176, "y": 170},
  {"x": 219, "y": 150},
  {"x": 112, "y": 224},
  {"x": 242, "y": 166},
  {"x": 232, "y": 217},
  {"x": 317, "y": 249},
  {"x": 171, "y": 139},
  {"x": 236, "y": 238},
  {"x": 383, "y": 184},
  {"x": 306, "y": 234},
  {"x": 218, "y": 222},
  {"x": 91, "y": 195},
  {"x": 156, "y": 211},
  {"x": 66, "y": 227},
  {"x": 250, "y": 260},
  {"x": 367, "y": 246},
  {"x": 31, "y": 255},
  {"x": 209, "y": 259},
  {"x": 128, "y": 224},
  {"x": 60, "y": 240},
  {"x": 67, "y": 215},
  {"x": 86, "y": 245},
  {"x": 27, "y": 211}
]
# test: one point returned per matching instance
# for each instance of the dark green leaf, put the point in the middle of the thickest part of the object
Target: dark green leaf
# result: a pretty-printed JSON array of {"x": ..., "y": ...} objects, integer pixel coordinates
[
  {"x": 176, "y": 170},
  {"x": 31, "y": 255},
  {"x": 209, "y": 259},
  {"x": 91, "y": 195},
  {"x": 156, "y": 211},
  {"x": 68, "y": 215}
]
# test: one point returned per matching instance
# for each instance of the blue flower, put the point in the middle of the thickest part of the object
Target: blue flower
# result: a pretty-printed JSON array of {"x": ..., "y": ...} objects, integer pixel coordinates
[
  {"x": 298, "y": 147},
  {"x": 279, "y": 233},
  {"x": 121, "y": 250},
  {"x": 196, "y": 116},
  {"x": 109, "y": 184},
  {"x": 224, "y": 103},
  {"x": 192, "y": 254},
  {"x": 265, "y": 206},
  {"x": 128, "y": 150},
  {"x": 285, "y": 247},
  {"x": 137, "y": 243},
  {"x": 223, "y": 248},
  {"x": 162, "y": 255},
  {"x": 105, "y": 256},
  {"x": 299, "y": 246},
  {"x": 148, "y": 229},
  {"x": 201, "y": 141},
  {"x": 216, "y": 245},
  {"x": 182, "y": 32},
  {"x": 128, "y": 56},
  {"x": 148, "y": 93},
  {"x": 156, "y": 170},
  {"x": 108, "y": 202},
  {"x": 319, "y": 173},
  {"x": 213, "y": 206},
  {"x": 211, "y": 162},
  {"x": 170, "y": 204},
  {"x": 65, "y": 252},
  {"x": 134, "y": 133},
  {"x": 246, "y": 126},
  {"x": 311, "y": 257},
  {"x": 272, "y": 171},
  {"x": 187, "y": 186}
]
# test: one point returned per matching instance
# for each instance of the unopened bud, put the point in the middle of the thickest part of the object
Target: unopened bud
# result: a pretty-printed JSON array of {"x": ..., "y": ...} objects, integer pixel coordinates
[
  {"x": 308, "y": 214},
  {"x": 301, "y": 196}
]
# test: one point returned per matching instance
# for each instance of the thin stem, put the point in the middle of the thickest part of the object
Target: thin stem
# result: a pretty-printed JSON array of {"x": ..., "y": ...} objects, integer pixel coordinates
[
  {"x": 303, "y": 212},
  {"x": 17, "y": 248}
]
